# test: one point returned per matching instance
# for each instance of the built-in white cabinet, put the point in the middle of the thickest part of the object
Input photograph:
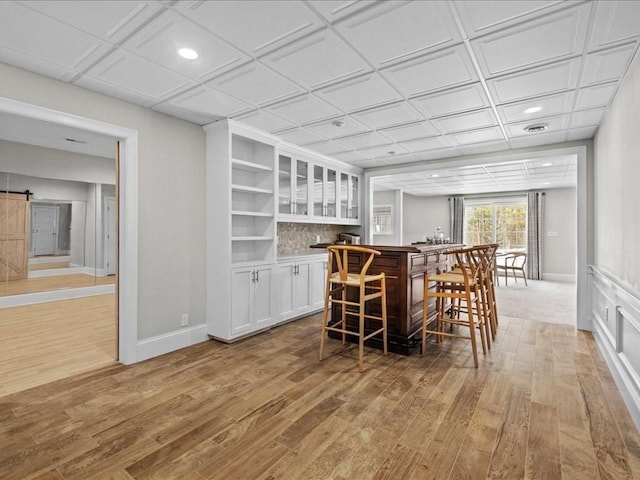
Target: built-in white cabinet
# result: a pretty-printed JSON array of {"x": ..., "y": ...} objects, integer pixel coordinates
[
  {"x": 294, "y": 288},
  {"x": 350, "y": 197},
  {"x": 318, "y": 281},
  {"x": 325, "y": 192},
  {"x": 293, "y": 186},
  {"x": 241, "y": 230},
  {"x": 251, "y": 299}
]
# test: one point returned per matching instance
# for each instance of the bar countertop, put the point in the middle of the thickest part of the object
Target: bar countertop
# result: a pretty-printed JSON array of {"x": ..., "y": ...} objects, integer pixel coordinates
[{"x": 415, "y": 248}]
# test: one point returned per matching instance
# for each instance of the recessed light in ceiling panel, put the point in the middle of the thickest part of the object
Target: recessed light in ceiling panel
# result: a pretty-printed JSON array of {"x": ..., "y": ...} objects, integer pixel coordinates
[
  {"x": 391, "y": 31},
  {"x": 387, "y": 116},
  {"x": 159, "y": 40},
  {"x": 329, "y": 129},
  {"x": 205, "y": 100},
  {"x": 553, "y": 124},
  {"x": 358, "y": 93},
  {"x": 466, "y": 121},
  {"x": 615, "y": 22},
  {"x": 554, "y": 78},
  {"x": 444, "y": 69},
  {"x": 254, "y": 26},
  {"x": 548, "y": 39},
  {"x": 46, "y": 46},
  {"x": 456, "y": 100},
  {"x": 607, "y": 65},
  {"x": 255, "y": 84},
  {"x": 547, "y": 106},
  {"x": 303, "y": 109},
  {"x": 386, "y": 151},
  {"x": 316, "y": 60},
  {"x": 110, "y": 21}
]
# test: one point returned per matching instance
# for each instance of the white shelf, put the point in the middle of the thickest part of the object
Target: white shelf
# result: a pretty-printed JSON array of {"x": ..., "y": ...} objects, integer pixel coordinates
[
  {"x": 249, "y": 189},
  {"x": 250, "y": 166},
  {"x": 251, "y": 214},
  {"x": 251, "y": 239}
]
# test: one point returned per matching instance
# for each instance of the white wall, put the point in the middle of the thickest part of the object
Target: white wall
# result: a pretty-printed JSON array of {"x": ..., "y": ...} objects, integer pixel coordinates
[
  {"x": 45, "y": 188},
  {"x": 422, "y": 215},
  {"x": 171, "y": 159},
  {"x": 560, "y": 243}
]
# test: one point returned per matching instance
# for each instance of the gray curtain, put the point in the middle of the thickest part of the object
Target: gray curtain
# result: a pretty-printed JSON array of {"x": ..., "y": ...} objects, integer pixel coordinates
[
  {"x": 456, "y": 213},
  {"x": 535, "y": 234}
]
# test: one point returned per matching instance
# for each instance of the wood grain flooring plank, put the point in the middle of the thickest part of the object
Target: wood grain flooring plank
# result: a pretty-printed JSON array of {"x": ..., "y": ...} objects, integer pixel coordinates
[
  {"x": 578, "y": 459},
  {"x": 398, "y": 464},
  {"x": 509, "y": 454},
  {"x": 299, "y": 429},
  {"x": 543, "y": 444}
]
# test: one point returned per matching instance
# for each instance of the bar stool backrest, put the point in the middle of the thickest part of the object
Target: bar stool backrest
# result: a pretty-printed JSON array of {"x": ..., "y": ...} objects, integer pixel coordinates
[{"x": 341, "y": 255}]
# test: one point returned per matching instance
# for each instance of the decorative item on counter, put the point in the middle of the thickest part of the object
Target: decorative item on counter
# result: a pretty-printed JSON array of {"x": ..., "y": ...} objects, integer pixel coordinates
[{"x": 438, "y": 237}]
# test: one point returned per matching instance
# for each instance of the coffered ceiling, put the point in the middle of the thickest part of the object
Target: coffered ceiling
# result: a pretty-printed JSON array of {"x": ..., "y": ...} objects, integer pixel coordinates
[{"x": 372, "y": 83}]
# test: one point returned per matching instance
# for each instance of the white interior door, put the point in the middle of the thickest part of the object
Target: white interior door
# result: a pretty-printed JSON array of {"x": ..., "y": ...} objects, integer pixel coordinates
[
  {"x": 44, "y": 226},
  {"x": 110, "y": 235}
]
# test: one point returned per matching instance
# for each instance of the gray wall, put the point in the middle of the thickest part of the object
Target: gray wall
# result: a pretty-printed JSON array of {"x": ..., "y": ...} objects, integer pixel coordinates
[
  {"x": 171, "y": 209},
  {"x": 393, "y": 198},
  {"x": 423, "y": 214},
  {"x": 616, "y": 192}
]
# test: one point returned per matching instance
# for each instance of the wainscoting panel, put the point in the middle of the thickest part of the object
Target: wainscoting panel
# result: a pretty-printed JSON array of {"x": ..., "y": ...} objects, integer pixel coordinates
[{"x": 616, "y": 327}]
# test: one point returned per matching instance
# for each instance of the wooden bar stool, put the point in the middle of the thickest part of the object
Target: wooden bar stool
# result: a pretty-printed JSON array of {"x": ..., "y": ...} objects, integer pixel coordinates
[
  {"x": 369, "y": 286},
  {"x": 451, "y": 287}
]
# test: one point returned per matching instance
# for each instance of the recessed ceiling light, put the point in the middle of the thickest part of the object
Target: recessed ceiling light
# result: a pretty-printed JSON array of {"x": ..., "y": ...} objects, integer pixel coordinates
[
  {"x": 548, "y": 164},
  {"x": 435, "y": 175},
  {"x": 188, "y": 53},
  {"x": 539, "y": 127},
  {"x": 391, "y": 152},
  {"x": 547, "y": 183},
  {"x": 532, "y": 110},
  {"x": 337, "y": 123}
]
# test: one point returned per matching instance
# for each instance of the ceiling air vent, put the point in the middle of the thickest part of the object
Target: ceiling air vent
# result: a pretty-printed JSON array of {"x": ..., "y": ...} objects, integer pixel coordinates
[{"x": 538, "y": 127}]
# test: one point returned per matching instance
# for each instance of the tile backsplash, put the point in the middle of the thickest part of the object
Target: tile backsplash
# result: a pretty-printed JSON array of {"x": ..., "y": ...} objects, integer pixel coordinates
[{"x": 295, "y": 238}]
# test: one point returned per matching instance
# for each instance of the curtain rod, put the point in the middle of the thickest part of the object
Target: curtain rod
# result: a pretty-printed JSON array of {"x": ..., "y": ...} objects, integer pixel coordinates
[
  {"x": 500, "y": 194},
  {"x": 26, "y": 192}
]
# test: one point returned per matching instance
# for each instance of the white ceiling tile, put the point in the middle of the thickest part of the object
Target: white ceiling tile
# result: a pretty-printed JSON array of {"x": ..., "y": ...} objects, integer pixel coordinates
[
  {"x": 254, "y": 26},
  {"x": 388, "y": 115},
  {"x": 364, "y": 140},
  {"x": 439, "y": 153},
  {"x": 42, "y": 67},
  {"x": 409, "y": 132},
  {"x": 598, "y": 96},
  {"x": 587, "y": 118},
  {"x": 187, "y": 114},
  {"x": 615, "y": 22},
  {"x": 316, "y": 60},
  {"x": 548, "y": 39},
  {"x": 126, "y": 71},
  {"x": 115, "y": 91},
  {"x": 538, "y": 139},
  {"x": 556, "y": 123},
  {"x": 465, "y": 121},
  {"x": 358, "y": 93},
  {"x": 392, "y": 30},
  {"x": 304, "y": 109},
  {"x": 254, "y": 83},
  {"x": 264, "y": 121},
  {"x": 444, "y": 69},
  {"x": 469, "y": 97},
  {"x": 581, "y": 133},
  {"x": 549, "y": 105},
  {"x": 481, "y": 16},
  {"x": 544, "y": 80},
  {"x": 108, "y": 20},
  {"x": 328, "y": 148},
  {"x": 485, "y": 147},
  {"x": 478, "y": 136},
  {"x": 384, "y": 151},
  {"x": 46, "y": 42},
  {"x": 334, "y": 10},
  {"x": 205, "y": 100},
  {"x": 607, "y": 65},
  {"x": 350, "y": 157},
  {"x": 431, "y": 143},
  {"x": 348, "y": 126},
  {"x": 160, "y": 40},
  {"x": 300, "y": 136}
]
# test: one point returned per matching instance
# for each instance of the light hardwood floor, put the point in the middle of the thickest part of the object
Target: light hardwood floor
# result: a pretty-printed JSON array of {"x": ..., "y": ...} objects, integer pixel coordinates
[
  {"x": 542, "y": 405},
  {"x": 43, "y": 342},
  {"x": 55, "y": 282}
]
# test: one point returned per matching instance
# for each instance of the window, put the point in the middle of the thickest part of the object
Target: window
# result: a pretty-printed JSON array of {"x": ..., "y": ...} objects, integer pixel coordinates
[
  {"x": 496, "y": 220},
  {"x": 382, "y": 220}
]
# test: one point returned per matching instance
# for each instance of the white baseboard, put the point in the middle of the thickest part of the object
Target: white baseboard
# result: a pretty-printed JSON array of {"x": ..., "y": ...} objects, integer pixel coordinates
[
  {"x": 168, "y": 342},
  {"x": 616, "y": 328},
  {"x": 49, "y": 259},
  {"x": 559, "y": 277},
  {"x": 54, "y": 295},
  {"x": 73, "y": 269}
]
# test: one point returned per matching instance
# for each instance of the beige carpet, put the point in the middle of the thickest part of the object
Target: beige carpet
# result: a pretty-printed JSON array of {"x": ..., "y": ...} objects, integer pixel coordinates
[{"x": 542, "y": 300}]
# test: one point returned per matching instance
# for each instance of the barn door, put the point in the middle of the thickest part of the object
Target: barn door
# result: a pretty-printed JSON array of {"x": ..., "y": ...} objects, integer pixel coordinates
[{"x": 14, "y": 236}]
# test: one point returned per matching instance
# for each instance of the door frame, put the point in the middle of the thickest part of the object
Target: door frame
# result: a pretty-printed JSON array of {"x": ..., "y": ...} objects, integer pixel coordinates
[
  {"x": 105, "y": 233},
  {"x": 127, "y": 288},
  {"x": 35, "y": 205}
]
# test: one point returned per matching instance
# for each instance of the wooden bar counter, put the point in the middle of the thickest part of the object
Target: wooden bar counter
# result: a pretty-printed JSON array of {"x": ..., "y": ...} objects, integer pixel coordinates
[{"x": 404, "y": 268}]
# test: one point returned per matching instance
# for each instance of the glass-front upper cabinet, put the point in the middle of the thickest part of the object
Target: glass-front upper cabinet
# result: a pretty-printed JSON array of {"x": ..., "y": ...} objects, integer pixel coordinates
[
  {"x": 324, "y": 192},
  {"x": 349, "y": 196},
  {"x": 293, "y": 185}
]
